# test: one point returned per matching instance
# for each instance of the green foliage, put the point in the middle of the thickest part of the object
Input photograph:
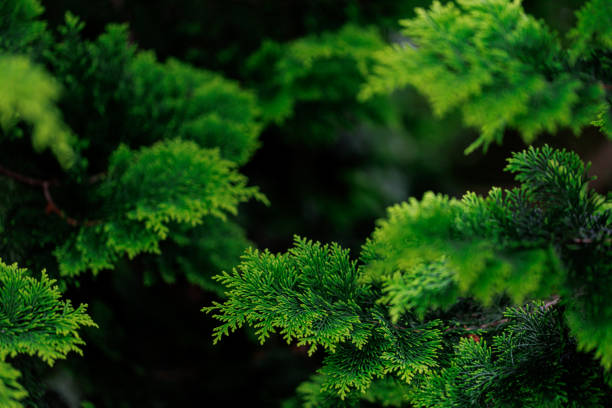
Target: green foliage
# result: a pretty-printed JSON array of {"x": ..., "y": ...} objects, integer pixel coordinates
[
  {"x": 505, "y": 68},
  {"x": 150, "y": 183},
  {"x": 214, "y": 245},
  {"x": 19, "y": 26},
  {"x": 154, "y": 170},
  {"x": 147, "y": 100},
  {"x": 29, "y": 94},
  {"x": 388, "y": 392},
  {"x": 593, "y": 32},
  {"x": 196, "y": 105},
  {"x": 549, "y": 238},
  {"x": 530, "y": 364},
  {"x": 321, "y": 75},
  {"x": 188, "y": 129},
  {"x": 145, "y": 192},
  {"x": 424, "y": 286},
  {"x": 34, "y": 321},
  {"x": 312, "y": 294},
  {"x": 11, "y": 392},
  {"x": 437, "y": 261}
]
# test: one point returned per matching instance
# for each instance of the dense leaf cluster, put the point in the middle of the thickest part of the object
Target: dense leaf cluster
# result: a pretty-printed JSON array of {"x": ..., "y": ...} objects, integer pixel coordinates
[
  {"x": 145, "y": 155},
  {"x": 502, "y": 68},
  {"x": 34, "y": 321},
  {"x": 319, "y": 77},
  {"x": 144, "y": 193},
  {"x": 456, "y": 265},
  {"x": 186, "y": 129},
  {"x": 313, "y": 294},
  {"x": 113, "y": 159},
  {"x": 548, "y": 238}
]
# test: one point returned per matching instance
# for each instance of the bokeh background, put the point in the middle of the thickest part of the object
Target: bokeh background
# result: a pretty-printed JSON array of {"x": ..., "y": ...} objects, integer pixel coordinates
[{"x": 329, "y": 171}]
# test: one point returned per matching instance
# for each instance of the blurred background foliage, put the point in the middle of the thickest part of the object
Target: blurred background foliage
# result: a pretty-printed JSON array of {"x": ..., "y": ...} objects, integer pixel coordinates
[{"x": 328, "y": 163}]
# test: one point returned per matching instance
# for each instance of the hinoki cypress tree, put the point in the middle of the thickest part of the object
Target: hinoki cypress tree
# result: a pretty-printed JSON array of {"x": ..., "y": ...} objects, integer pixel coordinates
[
  {"x": 111, "y": 159},
  {"x": 494, "y": 301},
  {"x": 144, "y": 160}
]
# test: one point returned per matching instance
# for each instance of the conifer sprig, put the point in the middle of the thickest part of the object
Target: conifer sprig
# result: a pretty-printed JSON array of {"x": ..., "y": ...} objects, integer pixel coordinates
[
  {"x": 145, "y": 192},
  {"x": 312, "y": 294},
  {"x": 501, "y": 68},
  {"x": 531, "y": 363},
  {"x": 34, "y": 321}
]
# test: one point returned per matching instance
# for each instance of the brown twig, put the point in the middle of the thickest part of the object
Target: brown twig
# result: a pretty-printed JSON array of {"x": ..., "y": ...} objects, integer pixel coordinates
[
  {"x": 31, "y": 181},
  {"x": 96, "y": 177},
  {"x": 556, "y": 299},
  {"x": 51, "y": 207}
]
